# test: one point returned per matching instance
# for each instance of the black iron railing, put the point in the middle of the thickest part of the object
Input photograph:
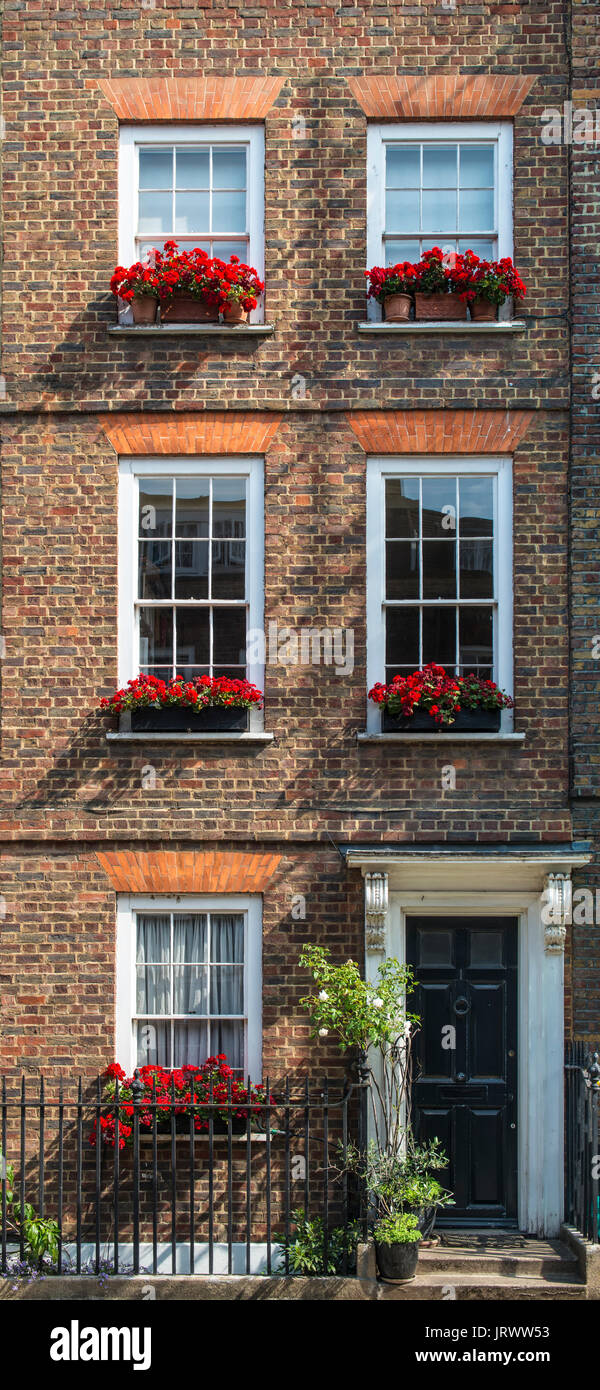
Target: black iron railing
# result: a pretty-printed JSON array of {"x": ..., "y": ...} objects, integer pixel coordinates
[
  {"x": 582, "y": 1149},
  {"x": 172, "y": 1199}
]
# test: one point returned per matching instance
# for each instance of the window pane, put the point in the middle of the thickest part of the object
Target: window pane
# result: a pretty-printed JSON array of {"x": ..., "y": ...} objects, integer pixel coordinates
[
  {"x": 192, "y": 212},
  {"x": 156, "y": 168},
  {"x": 190, "y": 936},
  {"x": 156, "y": 636},
  {"x": 229, "y": 168},
  {"x": 191, "y": 569},
  {"x": 153, "y": 1044},
  {"x": 228, "y": 569},
  {"x": 402, "y": 569},
  {"x": 190, "y": 989},
  {"x": 439, "y": 636},
  {"x": 439, "y": 569},
  {"x": 476, "y": 506},
  {"x": 439, "y": 211},
  {"x": 229, "y": 507},
  {"x": 440, "y": 166},
  {"x": 192, "y": 169},
  {"x": 401, "y": 211},
  {"x": 228, "y": 1038},
  {"x": 476, "y": 569},
  {"x": 155, "y": 506},
  {"x": 439, "y": 507},
  {"x": 191, "y": 508},
  {"x": 482, "y": 246},
  {"x": 229, "y": 212},
  {"x": 402, "y": 637},
  {"x": 405, "y": 250},
  {"x": 402, "y": 507},
  {"x": 193, "y": 637},
  {"x": 229, "y": 636},
  {"x": 156, "y": 212},
  {"x": 154, "y": 579},
  {"x": 476, "y": 638},
  {"x": 227, "y": 936},
  {"x": 227, "y": 989},
  {"x": 226, "y": 249},
  {"x": 402, "y": 166},
  {"x": 476, "y": 210},
  {"x": 153, "y": 937},
  {"x": 190, "y": 1044},
  {"x": 476, "y": 166},
  {"x": 153, "y": 989}
]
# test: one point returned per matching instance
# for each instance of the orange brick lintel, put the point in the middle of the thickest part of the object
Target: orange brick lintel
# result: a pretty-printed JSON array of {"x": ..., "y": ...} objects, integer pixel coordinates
[
  {"x": 188, "y": 98},
  {"x": 439, "y": 431},
  {"x": 186, "y": 432},
  {"x": 188, "y": 871},
  {"x": 447, "y": 97}
]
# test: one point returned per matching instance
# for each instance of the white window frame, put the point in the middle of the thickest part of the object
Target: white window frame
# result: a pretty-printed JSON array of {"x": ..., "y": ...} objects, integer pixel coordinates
[
  {"x": 463, "y": 132},
  {"x": 131, "y": 137},
  {"x": 378, "y": 469},
  {"x": 235, "y": 466},
  {"x": 127, "y": 906}
]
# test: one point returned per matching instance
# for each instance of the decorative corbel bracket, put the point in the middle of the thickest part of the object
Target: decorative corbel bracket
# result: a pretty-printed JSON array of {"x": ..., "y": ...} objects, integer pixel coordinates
[
  {"x": 556, "y": 911},
  {"x": 376, "y": 906}
]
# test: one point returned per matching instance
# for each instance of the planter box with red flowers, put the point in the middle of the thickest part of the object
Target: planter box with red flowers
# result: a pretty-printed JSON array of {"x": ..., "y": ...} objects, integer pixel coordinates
[
  {"x": 188, "y": 1092},
  {"x": 432, "y": 701},
  {"x": 444, "y": 286},
  {"x": 188, "y": 286},
  {"x": 205, "y": 704}
]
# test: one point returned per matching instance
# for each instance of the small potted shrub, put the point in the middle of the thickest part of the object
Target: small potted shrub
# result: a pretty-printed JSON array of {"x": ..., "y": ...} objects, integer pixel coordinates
[
  {"x": 240, "y": 288},
  {"x": 439, "y": 289},
  {"x": 393, "y": 286},
  {"x": 489, "y": 285},
  {"x": 397, "y": 1247},
  {"x": 206, "y": 704},
  {"x": 139, "y": 286},
  {"x": 430, "y": 700}
]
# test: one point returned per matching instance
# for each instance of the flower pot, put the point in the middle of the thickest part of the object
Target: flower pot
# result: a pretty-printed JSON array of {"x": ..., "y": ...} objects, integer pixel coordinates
[
  {"x": 233, "y": 313},
  {"x": 425, "y": 1219},
  {"x": 483, "y": 311},
  {"x": 442, "y": 307},
  {"x": 467, "y": 721},
  {"x": 397, "y": 1264},
  {"x": 181, "y": 718},
  {"x": 396, "y": 307},
  {"x": 182, "y": 307},
  {"x": 144, "y": 307}
]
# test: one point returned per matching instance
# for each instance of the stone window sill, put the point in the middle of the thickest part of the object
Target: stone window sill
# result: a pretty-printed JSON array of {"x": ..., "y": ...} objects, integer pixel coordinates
[
  {"x": 440, "y": 739},
  {"x": 223, "y": 736},
  {"x": 435, "y": 326},
  {"x": 199, "y": 330}
]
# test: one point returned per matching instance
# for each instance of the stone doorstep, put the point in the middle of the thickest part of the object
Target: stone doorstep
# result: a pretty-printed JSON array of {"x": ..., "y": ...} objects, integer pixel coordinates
[{"x": 239, "y": 1287}]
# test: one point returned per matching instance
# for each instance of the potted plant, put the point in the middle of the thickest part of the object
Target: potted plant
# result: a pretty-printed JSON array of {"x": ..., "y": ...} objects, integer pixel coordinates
[
  {"x": 430, "y": 700},
  {"x": 489, "y": 284},
  {"x": 187, "y": 285},
  {"x": 393, "y": 286},
  {"x": 397, "y": 1247},
  {"x": 139, "y": 286},
  {"x": 240, "y": 288},
  {"x": 207, "y": 703},
  {"x": 439, "y": 286}
]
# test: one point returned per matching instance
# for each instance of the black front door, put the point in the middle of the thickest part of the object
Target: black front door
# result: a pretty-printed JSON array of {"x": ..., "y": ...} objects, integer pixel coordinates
[{"x": 465, "y": 1088}]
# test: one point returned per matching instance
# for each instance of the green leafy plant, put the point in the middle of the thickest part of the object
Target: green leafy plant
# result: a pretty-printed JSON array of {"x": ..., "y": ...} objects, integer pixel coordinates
[
  {"x": 400, "y": 1181},
  {"x": 397, "y": 1230},
  {"x": 40, "y": 1235},
  {"x": 306, "y": 1246},
  {"x": 371, "y": 1016}
]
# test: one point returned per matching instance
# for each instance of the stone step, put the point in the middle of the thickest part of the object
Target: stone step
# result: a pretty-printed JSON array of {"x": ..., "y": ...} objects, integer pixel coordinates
[
  {"x": 512, "y": 1263},
  {"x": 445, "y": 1286}
]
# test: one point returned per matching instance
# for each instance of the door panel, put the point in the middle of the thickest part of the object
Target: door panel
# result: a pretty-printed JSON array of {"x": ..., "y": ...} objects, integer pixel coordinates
[{"x": 465, "y": 1090}]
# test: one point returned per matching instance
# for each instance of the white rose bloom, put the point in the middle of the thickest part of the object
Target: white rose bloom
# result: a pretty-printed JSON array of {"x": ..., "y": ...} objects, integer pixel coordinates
[
  {"x": 378, "y": 1003},
  {"x": 323, "y": 1032},
  {"x": 323, "y": 994}
]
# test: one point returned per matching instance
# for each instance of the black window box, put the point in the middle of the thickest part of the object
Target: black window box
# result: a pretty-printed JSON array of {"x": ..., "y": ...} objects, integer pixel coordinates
[
  {"x": 174, "y": 720},
  {"x": 475, "y": 721}
]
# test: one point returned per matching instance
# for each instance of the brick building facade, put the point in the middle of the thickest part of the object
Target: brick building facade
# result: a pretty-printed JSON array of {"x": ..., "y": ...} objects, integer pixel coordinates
[{"x": 297, "y": 815}]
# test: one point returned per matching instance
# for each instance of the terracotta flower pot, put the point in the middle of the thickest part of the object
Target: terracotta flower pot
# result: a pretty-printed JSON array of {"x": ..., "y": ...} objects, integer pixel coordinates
[
  {"x": 396, "y": 307},
  {"x": 483, "y": 311},
  {"x": 182, "y": 307},
  {"x": 233, "y": 312},
  {"x": 443, "y": 307},
  {"x": 144, "y": 307}
]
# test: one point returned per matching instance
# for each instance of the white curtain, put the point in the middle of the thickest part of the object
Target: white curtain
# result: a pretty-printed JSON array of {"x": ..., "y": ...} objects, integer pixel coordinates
[{"x": 189, "y": 982}]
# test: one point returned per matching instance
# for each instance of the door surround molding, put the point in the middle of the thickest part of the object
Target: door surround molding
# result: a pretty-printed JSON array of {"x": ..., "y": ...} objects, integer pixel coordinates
[{"x": 464, "y": 885}]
